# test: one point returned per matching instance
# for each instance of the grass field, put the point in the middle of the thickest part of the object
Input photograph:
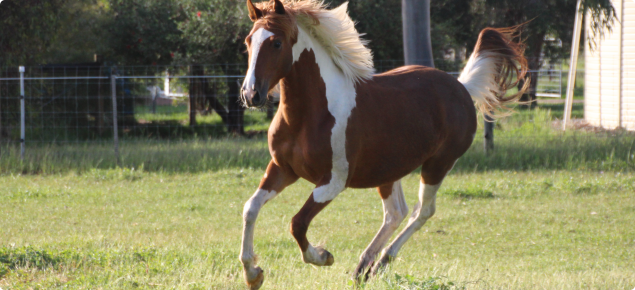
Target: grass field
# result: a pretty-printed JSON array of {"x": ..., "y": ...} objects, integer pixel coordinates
[{"x": 546, "y": 210}]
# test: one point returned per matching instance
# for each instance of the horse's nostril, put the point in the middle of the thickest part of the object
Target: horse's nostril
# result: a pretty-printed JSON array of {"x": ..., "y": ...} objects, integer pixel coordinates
[{"x": 256, "y": 98}]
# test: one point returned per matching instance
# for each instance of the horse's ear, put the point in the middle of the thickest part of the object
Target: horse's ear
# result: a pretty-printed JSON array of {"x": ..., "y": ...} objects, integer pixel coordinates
[
  {"x": 254, "y": 12},
  {"x": 279, "y": 7}
]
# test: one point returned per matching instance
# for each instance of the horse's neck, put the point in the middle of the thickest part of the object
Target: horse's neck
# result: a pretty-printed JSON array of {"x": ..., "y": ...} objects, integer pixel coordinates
[{"x": 297, "y": 87}]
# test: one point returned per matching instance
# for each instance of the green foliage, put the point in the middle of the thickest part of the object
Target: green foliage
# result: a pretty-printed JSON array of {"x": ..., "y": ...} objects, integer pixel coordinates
[
  {"x": 213, "y": 31},
  {"x": 81, "y": 33},
  {"x": 176, "y": 32},
  {"x": 27, "y": 28},
  {"x": 143, "y": 32}
]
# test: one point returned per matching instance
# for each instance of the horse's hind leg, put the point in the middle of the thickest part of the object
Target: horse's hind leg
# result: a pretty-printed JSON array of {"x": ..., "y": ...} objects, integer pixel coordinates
[
  {"x": 395, "y": 210},
  {"x": 431, "y": 179}
]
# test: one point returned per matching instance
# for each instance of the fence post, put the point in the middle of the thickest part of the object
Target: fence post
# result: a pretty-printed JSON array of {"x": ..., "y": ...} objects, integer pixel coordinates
[
  {"x": 488, "y": 140},
  {"x": 22, "y": 114},
  {"x": 113, "y": 89},
  {"x": 573, "y": 65}
]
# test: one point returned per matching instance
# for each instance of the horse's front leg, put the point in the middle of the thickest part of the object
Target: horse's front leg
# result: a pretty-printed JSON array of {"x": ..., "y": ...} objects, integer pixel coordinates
[
  {"x": 318, "y": 200},
  {"x": 274, "y": 181}
]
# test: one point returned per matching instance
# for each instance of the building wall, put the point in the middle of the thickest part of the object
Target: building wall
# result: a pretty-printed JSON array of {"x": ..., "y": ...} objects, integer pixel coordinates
[
  {"x": 628, "y": 64},
  {"x": 609, "y": 88}
]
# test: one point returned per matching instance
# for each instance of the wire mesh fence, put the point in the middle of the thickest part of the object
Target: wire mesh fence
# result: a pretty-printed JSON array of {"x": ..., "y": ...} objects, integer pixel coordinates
[{"x": 75, "y": 104}]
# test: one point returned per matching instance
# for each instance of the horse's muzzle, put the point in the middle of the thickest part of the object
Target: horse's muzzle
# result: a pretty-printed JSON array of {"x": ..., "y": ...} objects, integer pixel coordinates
[{"x": 254, "y": 97}]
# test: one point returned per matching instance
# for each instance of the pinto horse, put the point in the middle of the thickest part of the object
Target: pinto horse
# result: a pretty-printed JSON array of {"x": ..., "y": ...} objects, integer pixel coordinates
[{"x": 339, "y": 125}]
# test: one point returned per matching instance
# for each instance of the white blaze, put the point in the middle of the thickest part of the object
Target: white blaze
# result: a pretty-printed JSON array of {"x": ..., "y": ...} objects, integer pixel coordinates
[
  {"x": 256, "y": 42},
  {"x": 340, "y": 95}
]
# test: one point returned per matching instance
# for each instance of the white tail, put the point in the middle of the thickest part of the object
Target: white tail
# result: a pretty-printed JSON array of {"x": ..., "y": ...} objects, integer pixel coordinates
[{"x": 496, "y": 65}]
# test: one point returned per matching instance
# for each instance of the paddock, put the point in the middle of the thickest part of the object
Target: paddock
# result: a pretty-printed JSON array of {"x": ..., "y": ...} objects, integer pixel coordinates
[{"x": 546, "y": 209}]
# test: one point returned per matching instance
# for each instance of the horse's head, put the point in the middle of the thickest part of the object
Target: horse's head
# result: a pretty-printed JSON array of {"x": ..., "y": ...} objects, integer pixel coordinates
[{"x": 269, "y": 45}]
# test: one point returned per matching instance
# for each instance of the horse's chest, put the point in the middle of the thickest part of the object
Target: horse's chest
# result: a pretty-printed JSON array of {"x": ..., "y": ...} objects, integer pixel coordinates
[{"x": 307, "y": 151}]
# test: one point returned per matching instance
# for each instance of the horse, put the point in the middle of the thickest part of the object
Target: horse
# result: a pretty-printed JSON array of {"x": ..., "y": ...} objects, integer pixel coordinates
[{"x": 339, "y": 125}]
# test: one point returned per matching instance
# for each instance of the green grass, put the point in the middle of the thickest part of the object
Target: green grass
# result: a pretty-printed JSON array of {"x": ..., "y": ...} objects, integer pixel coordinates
[
  {"x": 546, "y": 210},
  {"x": 115, "y": 229}
]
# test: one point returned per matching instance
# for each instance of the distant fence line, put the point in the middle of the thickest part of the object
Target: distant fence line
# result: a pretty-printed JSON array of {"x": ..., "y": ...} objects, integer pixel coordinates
[{"x": 88, "y": 103}]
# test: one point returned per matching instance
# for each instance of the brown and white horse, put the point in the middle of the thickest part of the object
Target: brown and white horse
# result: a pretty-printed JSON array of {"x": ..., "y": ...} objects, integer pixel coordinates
[{"x": 339, "y": 125}]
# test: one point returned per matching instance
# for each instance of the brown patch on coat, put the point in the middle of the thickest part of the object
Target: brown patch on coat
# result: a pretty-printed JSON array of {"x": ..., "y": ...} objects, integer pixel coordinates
[{"x": 428, "y": 119}]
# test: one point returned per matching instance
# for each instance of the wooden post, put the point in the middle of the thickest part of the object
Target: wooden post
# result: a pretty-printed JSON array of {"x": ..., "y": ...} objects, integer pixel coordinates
[
  {"x": 115, "y": 129},
  {"x": 573, "y": 65},
  {"x": 417, "y": 46},
  {"x": 488, "y": 134}
]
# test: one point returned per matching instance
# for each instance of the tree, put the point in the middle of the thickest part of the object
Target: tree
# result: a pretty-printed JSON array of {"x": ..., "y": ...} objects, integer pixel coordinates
[
  {"x": 142, "y": 32},
  {"x": 28, "y": 27},
  {"x": 185, "y": 32},
  {"x": 213, "y": 32},
  {"x": 80, "y": 34}
]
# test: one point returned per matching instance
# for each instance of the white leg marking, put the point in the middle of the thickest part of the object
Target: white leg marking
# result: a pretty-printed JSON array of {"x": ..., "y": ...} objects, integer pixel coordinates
[
  {"x": 340, "y": 95},
  {"x": 250, "y": 213},
  {"x": 395, "y": 210},
  {"x": 256, "y": 42},
  {"x": 313, "y": 255},
  {"x": 424, "y": 209}
]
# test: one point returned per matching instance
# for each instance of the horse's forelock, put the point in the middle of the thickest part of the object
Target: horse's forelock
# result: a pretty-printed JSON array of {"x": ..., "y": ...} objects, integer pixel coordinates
[{"x": 287, "y": 23}]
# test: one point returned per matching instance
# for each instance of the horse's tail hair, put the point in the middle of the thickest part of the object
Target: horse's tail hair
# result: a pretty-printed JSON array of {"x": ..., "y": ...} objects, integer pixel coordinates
[{"x": 496, "y": 65}]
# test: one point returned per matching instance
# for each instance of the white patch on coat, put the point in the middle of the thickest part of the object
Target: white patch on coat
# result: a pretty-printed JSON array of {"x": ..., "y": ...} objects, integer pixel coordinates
[
  {"x": 340, "y": 95},
  {"x": 256, "y": 42}
]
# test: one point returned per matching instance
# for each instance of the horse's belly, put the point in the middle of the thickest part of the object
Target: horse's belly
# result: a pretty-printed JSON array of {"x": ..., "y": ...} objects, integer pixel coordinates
[{"x": 372, "y": 170}]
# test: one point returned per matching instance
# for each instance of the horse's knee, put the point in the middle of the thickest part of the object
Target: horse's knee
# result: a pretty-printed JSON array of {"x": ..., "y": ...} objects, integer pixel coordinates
[
  {"x": 428, "y": 212},
  {"x": 250, "y": 211},
  {"x": 394, "y": 219}
]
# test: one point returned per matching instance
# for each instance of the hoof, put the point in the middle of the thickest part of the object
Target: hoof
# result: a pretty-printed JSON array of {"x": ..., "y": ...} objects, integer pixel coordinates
[
  {"x": 318, "y": 256},
  {"x": 380, "y": 266},
  {"x": 328, "y": 257},
  {"x": 362, "y": 271},
  {"x": 255, "y": 283}
]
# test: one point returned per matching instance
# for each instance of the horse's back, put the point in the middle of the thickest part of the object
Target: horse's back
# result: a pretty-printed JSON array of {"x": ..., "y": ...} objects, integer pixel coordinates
[{"x": 407, "y": 116}]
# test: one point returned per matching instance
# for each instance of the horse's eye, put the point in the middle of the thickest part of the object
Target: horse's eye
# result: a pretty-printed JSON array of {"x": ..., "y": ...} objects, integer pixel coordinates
[{"x": 277, "y": 44}]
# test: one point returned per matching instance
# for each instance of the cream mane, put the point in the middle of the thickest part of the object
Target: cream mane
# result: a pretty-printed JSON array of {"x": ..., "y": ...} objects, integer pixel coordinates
[{"x": 335, "y": 30}]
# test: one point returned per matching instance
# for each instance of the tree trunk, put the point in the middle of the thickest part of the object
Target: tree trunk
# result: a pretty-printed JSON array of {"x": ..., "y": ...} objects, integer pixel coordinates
[
  {"x": 194, "y": 88},
  {"x": 214, "y": 104},
  {"x": 417, "y": 45},
  {"x": 236, "y": 109},
  {"x": 100, "y": 108},
  {"x": 271, "y": 110}
]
